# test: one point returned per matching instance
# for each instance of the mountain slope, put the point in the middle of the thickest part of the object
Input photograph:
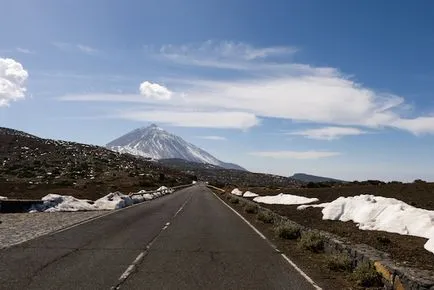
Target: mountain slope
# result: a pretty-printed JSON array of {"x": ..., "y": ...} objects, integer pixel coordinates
[
  {"x": 156, "y": 143},
  {"x": 222, "y": 177},
  {"x": 32, "y": 167},
  {"x": 313, "y": 178}
]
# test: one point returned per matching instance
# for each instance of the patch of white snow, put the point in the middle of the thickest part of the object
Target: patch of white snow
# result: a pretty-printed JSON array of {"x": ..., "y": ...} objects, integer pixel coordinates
[
  {"x": 250, "y": 194},
  {"x": 237, "y": 192},
  {"x": 287, "y": 199},
  {"x": 376, "y": 213}
]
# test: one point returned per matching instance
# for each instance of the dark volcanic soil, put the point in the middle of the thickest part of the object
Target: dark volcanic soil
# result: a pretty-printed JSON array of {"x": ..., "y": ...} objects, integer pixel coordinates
[{"x": 405, "y": 250}]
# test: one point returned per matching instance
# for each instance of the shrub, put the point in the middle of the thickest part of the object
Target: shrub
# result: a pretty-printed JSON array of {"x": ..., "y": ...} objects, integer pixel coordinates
[
  {"x": 266, "y": 217},
  {"x": 366, "y": 276},
  {"x": 312, "y": 241},
  {"x": 251, "y": 208},
  {"x": 234, "y": 200},
  {"x": 288, "y": 231},
  {"x": 340, "y": 262}
]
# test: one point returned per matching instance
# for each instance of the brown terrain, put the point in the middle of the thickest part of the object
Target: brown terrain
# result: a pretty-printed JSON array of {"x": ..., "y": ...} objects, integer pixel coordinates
[
  {"x": 404, "y": 250},
  {"x": 32, "y": 167}
]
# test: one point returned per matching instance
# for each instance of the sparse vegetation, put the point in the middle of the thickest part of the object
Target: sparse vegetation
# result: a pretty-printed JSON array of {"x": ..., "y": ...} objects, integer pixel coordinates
[
  {"x": 287, "y": 230},
  {"x": 266, "y": 217},
  {"x": 251, "y": 208},
  {"x": 365, "y": 275},
  {"x": 339, "y": 262},
  {"x": 312, "y": 241},
  {"x": 234, "y": 200}
]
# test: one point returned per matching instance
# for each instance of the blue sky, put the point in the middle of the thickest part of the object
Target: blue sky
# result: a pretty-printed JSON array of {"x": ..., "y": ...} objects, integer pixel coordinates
[{"x": 335, "y": 88}]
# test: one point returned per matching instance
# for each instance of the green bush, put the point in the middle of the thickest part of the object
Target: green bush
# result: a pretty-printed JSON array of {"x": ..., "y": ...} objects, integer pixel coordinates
[
  {"x": 251, "y": 208},
  {"x": 266, "y": 217},
  {"x": 288, "y": 231},
  {"x": 312, "y": 241},
  {"x": 340, "y": 262},
  {"x": 365, "y": 275}
]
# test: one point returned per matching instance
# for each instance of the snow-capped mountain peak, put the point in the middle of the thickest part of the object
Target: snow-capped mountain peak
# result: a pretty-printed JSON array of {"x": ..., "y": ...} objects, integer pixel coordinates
[{"x": 156, "y": 143}]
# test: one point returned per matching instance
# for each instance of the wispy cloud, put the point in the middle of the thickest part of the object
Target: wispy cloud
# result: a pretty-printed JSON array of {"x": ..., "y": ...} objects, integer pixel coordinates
[
  {"x": 269, "y": 84},
  {"x": 418, "y": 126},
  {"x": 25, "y": 50},
  {"x": 214, "y": 138},
  {"x": 295, "y": 154},
  {"x": 70, "y": 47},
  {"x": 87, "y": 49},
  {"x": 226, "y": 55},
  {"x": 328, "y": 133},
  {"x": 229, "y": 120}
]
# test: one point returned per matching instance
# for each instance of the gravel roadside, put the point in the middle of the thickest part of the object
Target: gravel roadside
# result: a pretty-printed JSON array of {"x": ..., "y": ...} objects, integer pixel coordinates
[{"x": 16, "y": 228}]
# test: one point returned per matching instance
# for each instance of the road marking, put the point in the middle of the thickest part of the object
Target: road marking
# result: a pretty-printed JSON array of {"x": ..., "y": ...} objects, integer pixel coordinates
[
  {"x": 131, "y": 268},
  {"x": 305, "y": 276}
]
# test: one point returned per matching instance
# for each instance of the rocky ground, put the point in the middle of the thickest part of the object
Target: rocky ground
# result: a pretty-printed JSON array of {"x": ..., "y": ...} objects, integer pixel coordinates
[{"x": 406, "y": 250}]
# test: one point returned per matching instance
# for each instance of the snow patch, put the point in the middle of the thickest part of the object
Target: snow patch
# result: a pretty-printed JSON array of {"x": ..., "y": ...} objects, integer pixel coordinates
[
  {"x": 3, "y": 197},
  {"x": 114, "y": 200},
  {"x": 237, "y": 192},
  {"x": 137, "y": 198},
  {"x": 148, "y": 196},
  {"x": 376, "y": 213},
  {"x": 286, "y": 199},
  {"x": 57, "y": 202},
  {"x": 250, "y": 194}
]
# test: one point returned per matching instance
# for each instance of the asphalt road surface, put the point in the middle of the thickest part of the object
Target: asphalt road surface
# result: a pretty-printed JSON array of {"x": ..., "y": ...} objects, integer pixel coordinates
[{"x": 186, "y": 240}]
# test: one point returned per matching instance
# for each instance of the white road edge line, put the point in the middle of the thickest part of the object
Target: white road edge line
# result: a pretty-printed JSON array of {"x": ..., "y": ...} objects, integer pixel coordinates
[{"x": 305, "y": 276}]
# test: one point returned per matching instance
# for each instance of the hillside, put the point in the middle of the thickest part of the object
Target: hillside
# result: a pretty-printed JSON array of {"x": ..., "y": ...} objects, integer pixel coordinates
[
  {"x": 223, "y": 177},
  {"x": 31, "y": 167},
  {"x": 303, "y": 177}
]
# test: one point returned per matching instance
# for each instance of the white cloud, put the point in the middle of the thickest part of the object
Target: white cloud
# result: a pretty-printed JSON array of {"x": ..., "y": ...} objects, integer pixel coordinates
[
  {"x": 154, "y": 91},
  {"x": 215, "y": 138},
  {"x": 25, "y": 50},
  {"x": 295, "y": 154},
  {"x": 230, "y": 120},
  {"x": 329, "y": 133},
  {"x": 419, "y": 125},
  {"x": 70, "y": 47},
  {"x": 12, "y": 81},
  {"x": 223, "y": 50},
  {"x": 122, "y": 98},
  {"x": 87, "y": 49},
  {"x": 263, "y": 87},
  {"x": 313, "y": 98}
]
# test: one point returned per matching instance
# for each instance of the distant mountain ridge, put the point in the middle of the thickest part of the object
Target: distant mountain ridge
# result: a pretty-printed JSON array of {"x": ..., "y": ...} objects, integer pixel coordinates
[
  {"x": 156, "y": 143},
  {"x": 313, "y": 178}
]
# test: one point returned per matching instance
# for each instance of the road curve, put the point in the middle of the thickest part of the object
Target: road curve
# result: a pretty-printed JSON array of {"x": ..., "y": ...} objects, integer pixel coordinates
[{"x": 187, "y": 240}]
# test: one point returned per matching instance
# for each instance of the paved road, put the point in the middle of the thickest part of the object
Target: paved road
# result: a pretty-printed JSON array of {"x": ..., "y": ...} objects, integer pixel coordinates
[{"x": 187, "y": 240}]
